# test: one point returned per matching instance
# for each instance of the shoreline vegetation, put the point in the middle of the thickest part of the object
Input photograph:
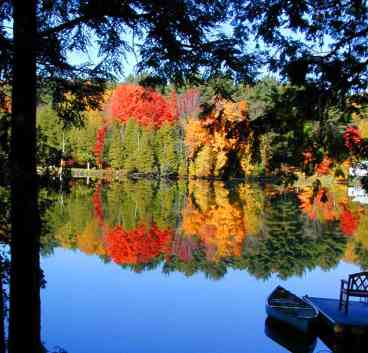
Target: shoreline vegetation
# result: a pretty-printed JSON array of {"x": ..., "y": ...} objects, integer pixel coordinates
[
  {"x": 111, "y": 175},
  {"x": 252, "y": 134}
]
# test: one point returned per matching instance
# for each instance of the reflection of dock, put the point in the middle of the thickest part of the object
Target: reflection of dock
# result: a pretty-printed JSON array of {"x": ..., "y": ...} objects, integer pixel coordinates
[
  {"x": 358, "y": 194},
  {"x": 342, "y": 332},
  {"x": 355, "y": 319},
  {"x": 88, "y": 173}
]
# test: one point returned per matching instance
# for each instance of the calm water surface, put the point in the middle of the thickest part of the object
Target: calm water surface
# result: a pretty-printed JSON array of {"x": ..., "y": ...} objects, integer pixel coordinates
[{"x": 157, "y": 267}]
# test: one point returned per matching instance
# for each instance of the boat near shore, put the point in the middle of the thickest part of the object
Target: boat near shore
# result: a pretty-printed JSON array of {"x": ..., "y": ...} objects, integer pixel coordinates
[{"x": 288, "y": 308}]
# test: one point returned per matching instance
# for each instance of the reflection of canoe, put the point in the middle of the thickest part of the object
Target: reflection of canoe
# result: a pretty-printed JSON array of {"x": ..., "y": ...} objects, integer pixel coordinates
[
  {"x": 289, "y": 338},
  {"x": 285, "y": 306}
]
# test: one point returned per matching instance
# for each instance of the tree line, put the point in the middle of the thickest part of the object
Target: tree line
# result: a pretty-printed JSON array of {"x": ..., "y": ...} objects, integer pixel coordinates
[{"x": 219, "y": 129}]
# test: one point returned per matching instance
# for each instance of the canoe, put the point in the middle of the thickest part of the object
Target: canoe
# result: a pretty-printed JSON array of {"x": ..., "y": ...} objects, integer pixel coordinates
[
  {"x": 285, "y": 306},
  {"x": 288, "y": 337}
]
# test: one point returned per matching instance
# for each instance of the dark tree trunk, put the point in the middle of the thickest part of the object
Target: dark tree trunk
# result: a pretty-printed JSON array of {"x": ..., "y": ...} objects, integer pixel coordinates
[
  {"x": 2, "y": 308},
  {"x": 24, "y": 321}
]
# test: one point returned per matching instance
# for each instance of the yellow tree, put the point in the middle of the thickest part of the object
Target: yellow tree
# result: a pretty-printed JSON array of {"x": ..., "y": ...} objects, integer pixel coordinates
[{"x": 220, "y": 139}]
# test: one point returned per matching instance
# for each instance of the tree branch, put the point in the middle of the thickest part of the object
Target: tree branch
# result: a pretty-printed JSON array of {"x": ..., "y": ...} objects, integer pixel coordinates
[{"x": 66, "y": 25}]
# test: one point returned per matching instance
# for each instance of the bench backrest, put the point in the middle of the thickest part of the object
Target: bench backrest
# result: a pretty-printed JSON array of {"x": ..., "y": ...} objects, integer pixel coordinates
[{"x": 358, "y": 281}]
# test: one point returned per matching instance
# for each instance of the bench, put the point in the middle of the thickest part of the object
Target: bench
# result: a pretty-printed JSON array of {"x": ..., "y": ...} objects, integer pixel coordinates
[{"x": 355, "y": 286}]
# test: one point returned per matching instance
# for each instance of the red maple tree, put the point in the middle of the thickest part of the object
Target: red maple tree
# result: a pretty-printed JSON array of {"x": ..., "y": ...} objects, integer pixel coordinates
[{"x": 146, "y": 106}]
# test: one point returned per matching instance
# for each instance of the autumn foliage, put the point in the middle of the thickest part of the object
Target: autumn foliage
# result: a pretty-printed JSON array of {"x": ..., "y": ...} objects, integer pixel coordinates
[
  {"x": 100, "y": 140},
  {"x": 324, "y": 167},
  {"x": 97, "y": 205},
  {"x": 348, "y": 222},
  {"x": 211, "y": 140},
  {"x": 220, "y": 225},
  {"x": 188, "y": 103},
  {"x": 146, "y": 106},
  {"x": 184, "y": 247},
  {"x": 352, "y": 138},
  {"x": 139, "y": 245},
  {"x": 323, "y": 206}
]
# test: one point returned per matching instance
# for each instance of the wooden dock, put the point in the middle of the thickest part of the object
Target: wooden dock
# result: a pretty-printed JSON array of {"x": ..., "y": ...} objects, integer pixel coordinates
[{"x": 356, "y": 318}]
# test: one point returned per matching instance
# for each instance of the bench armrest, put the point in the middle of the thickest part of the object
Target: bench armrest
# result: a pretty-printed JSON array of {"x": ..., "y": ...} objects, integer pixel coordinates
[{"x": 344, "y": 284}]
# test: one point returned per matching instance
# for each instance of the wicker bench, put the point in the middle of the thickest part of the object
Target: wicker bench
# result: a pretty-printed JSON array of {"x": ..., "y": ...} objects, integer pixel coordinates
[{"x": 355, "y": 286}]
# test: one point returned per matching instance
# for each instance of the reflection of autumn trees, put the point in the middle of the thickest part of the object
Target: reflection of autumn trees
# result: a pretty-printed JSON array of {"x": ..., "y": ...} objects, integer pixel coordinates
[
  {"x": 88, "y": 218},
  {"x": 137, "y": 246},
  {"x": 89, "y": 240},
  {"x": 209, "y": 227},
  {"x": 252, "y": 199},
  {"x": 217, "y": 222},
  {"x": 184, "y": 248},
  {"x": 97, "y": 205},
  {"x": 133, "y": 203},
  {"x": 68, "y": 221},
  {"x": 357, "y": 249},
  {"x": 326, "y": 205},
  {"x": 290, "y": 243}
]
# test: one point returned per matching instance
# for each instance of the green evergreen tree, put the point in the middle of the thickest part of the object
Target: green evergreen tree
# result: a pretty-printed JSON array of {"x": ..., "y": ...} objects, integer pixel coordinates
[
  {"x": 145, "y": 154},
  {"x": 116, "y": 151},
  {"x": 131, "y": 146},
  {"x": 51, "y": 127},
  {"x": 82, "y": 143},
  {"x": 51, "y": 137},
  {"x": 182, "y": 154},
  {"x": 167, "y": 141}
]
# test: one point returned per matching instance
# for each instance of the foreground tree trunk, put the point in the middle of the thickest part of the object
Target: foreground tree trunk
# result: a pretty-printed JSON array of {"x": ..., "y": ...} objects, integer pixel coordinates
[{"x": 24, "y": 321}]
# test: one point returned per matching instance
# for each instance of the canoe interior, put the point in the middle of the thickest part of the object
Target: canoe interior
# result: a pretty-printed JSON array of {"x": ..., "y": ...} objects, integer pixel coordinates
[{"x": 291, "y": 305}]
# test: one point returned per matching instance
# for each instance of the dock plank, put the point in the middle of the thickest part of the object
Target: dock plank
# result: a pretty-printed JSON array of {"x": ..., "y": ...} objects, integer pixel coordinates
[{"x": 357, "y": 315}]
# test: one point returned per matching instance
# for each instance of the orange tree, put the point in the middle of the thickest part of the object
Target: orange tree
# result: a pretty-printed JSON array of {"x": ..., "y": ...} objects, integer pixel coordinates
[{"x": 218, "y": 141}]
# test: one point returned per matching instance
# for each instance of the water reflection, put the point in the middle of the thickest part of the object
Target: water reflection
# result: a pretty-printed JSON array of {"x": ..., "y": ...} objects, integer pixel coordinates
[
  {"x": 291, "y": 339},
  {"x": 210, "y": 227}
]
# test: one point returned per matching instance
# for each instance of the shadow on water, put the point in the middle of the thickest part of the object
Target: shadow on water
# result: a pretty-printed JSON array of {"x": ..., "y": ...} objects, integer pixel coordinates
[
  {"x": 21, "y": 280},
  {"x": 289, "y": 338},
  {"x": 299, "y": 342}
]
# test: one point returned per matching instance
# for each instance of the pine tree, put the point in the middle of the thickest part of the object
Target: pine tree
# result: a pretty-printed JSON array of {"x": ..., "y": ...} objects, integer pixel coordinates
[
  {"x": 145, "y": 154},
  {"x": 116, "y": 152},
  {"x": 131, "y": 146},
  {"x": 167, "y": 140},
  {"x": 82, "y": 142},
  {"x": 182, "y": 153}
]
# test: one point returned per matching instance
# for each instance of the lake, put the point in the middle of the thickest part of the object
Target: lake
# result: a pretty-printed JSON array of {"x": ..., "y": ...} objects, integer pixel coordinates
[{"x": 149, "y": 266}]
